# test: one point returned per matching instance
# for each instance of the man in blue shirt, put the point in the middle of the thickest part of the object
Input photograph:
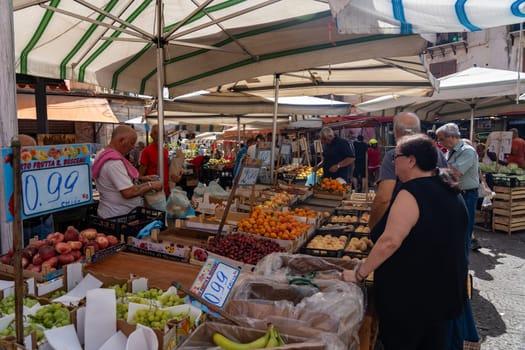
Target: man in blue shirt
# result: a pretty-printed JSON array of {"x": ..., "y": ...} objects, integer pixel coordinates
[{"x": 337, "y": 155}]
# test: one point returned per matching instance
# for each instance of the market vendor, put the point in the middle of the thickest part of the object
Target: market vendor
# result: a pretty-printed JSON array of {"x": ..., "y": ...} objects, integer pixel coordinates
[
  {"x": 418, "y": 289},
  {"x": 117, "y": 180},
  {"x": 338, "y": 156}
]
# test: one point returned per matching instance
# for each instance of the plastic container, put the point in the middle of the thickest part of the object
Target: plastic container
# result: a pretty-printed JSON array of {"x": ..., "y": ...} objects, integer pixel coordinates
[{"x": 129, "y": 224}]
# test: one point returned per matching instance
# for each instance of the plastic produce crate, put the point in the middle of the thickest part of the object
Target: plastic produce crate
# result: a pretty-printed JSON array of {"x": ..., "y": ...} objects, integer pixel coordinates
[{"x": 128, "y": 225}]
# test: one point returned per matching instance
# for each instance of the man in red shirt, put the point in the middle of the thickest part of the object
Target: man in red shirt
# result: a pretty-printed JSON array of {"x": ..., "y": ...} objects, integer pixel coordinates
[
  {"x": 374, "y": 155},
  {"x": 517, "y": 151},
  {"x": 149, "y": 159}
]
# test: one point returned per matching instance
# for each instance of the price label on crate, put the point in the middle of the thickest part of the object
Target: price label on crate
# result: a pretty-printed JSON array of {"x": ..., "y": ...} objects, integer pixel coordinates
[
  {"x": 53, "y": 178},
  {"x": 215, "y": 282}
]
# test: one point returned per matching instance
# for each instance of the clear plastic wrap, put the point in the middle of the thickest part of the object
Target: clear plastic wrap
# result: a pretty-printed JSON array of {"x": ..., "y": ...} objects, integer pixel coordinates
[{"x": 297, "y": 292}]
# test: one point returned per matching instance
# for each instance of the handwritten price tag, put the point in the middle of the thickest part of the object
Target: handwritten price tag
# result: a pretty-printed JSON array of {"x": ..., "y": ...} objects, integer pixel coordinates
[
  {"x": 265, "y": 155},
  {"x": 215, "y": 282},
  {"x": 56, "y": 188},
  {"x": 248, "y": 176},
  {"x": 53, "y": 178}
]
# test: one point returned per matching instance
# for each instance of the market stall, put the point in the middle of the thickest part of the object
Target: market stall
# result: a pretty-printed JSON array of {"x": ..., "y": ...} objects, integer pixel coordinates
[{"x": 175, "y": 256}]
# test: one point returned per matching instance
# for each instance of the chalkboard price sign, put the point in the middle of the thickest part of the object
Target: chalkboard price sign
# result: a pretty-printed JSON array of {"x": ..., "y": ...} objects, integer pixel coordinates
[
  {"x": 53, "y": 178},
  {"x": 215, "y": 281}
]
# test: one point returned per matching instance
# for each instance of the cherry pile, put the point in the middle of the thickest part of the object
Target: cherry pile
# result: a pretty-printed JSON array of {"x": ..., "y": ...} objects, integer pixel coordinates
[{"x": 244, "y": 248}]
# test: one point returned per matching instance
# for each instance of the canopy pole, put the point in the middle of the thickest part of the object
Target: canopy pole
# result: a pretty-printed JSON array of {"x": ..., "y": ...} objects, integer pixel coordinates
[
  {"x": 160, "y": 90},
  {"x": 472, "y": 107},
  {"x": 238, "y": 130},
  {"x": 7, "y": 108},
  {"x": 274, "y": 125}
]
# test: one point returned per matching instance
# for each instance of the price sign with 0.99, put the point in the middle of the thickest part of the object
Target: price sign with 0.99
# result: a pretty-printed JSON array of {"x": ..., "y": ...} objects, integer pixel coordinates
[
  {"x": 49, "y": 189},
  {"x": 215, "y": 281}
]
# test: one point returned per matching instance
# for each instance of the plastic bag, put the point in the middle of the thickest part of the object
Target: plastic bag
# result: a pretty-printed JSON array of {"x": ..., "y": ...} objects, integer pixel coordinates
[
  {"x": 155, "y": 200},
  {"x": 215, "y": 190},
  {"x": 486, "y": 202},
  {"x": 483, "y": 190},
  {"x": 199, "y": 190},
  {"x": 178, "y": 204}
]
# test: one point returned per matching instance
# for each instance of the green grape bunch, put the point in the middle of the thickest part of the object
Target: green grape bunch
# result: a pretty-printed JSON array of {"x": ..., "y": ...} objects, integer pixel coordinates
[
  {"x": 10, "y": 331},
  {"x": 153, "y": 317},
  {"x": 51, "y": 316},
  {"x": 169, "y": 299},
  {"x": 122, "y": 311},
  {"x": 120, "y": 290},
  {"x": 7, "y": 305},
  {"x": 152, "y": 293},
  {"x": 57, "y": 294}
]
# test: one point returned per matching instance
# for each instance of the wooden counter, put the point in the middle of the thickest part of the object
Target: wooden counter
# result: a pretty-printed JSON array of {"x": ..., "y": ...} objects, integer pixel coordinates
[{"x": 160, "y": 272}]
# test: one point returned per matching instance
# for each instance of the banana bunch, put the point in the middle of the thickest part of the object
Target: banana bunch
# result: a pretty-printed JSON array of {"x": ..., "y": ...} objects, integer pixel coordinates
[{"x": 271, "y": 339}]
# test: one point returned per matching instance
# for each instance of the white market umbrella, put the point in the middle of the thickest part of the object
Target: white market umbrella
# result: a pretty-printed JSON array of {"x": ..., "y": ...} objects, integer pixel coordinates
[
  {"x": 424, "y": 16},
  {"x": 467, "y": 93}
]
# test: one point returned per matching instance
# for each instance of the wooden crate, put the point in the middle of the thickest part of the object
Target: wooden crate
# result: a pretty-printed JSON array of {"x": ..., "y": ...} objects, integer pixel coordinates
[{"x": 508, "y": 209}]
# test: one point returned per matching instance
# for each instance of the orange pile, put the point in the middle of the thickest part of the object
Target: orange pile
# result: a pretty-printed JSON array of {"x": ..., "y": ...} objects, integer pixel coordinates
[
  {"x": 304, "y": 212},
  {"x": 333, "y": 185},
  {"x": 272, "y": 224}
]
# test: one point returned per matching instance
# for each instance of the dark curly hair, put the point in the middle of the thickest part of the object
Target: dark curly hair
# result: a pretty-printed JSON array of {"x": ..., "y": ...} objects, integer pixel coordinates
[{"x": 422, "y": 148}]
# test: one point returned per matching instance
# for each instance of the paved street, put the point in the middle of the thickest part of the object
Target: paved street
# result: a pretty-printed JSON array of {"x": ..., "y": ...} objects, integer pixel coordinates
[{"x": 499, "y": 290}]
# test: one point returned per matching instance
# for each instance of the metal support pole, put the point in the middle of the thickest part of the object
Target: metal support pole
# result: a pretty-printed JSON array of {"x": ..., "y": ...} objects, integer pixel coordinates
[
  {"x": 274, "y": 125},
  {"x": 160, "y": 89}
]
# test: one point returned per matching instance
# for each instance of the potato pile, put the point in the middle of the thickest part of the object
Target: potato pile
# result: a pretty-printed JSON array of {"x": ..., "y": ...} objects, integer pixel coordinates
[
  {"x": 327, "y": 242},
  {"x": 359, "y": 245}
]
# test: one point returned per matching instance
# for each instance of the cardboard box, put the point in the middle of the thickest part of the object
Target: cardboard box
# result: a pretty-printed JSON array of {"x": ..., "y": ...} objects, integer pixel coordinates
[
  {"x": 174, "y": 244},
  {"x": 204, "y": 223},
  {"x": 232, "y": 218},
  {"x": 173, "y": 334},
  {"x": 202, "y": 337}
]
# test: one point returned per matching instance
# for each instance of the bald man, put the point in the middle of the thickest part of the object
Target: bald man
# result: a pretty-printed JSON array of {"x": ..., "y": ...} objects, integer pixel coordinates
[
  {"x": 405, "y": 123},
  {"x": 120, "y": 186}
]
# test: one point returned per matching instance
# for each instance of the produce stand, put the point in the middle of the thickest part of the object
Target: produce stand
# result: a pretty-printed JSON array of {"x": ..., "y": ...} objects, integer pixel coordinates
[{"x": 174, "y": 256}]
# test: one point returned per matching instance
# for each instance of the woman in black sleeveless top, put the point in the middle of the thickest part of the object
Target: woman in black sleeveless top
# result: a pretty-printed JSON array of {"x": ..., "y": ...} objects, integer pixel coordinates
[{"x": 418, "y": 259}]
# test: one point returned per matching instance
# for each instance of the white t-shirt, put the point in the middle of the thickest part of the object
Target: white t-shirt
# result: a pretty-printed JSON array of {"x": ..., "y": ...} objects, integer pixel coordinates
[
  {"x": 251, "y": 151},
  {"x": 112, "y": 179}
]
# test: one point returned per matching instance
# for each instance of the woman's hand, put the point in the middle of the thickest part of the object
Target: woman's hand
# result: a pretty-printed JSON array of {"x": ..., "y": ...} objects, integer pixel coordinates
[
  {"x": 156, "y": 185},
  {"x": 176, "y": 177},
  {"x": 349, "y": 276},
  {"x": 147, "y": 178}
]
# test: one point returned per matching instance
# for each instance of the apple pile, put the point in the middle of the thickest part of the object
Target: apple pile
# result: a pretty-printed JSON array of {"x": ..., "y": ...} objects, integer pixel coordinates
[{"x": 59, "y": 249}]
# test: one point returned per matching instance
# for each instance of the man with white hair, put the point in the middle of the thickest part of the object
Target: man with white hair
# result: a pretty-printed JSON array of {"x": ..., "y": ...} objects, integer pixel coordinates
[
  {"x": 463, "y": 160},
  {"x": 337, "y": 155}
]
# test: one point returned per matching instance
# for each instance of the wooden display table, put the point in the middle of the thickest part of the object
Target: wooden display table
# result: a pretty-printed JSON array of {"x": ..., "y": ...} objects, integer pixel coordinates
[
  {"x": 508, "y": 209},
  {"x": 160, "y": 272}
]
